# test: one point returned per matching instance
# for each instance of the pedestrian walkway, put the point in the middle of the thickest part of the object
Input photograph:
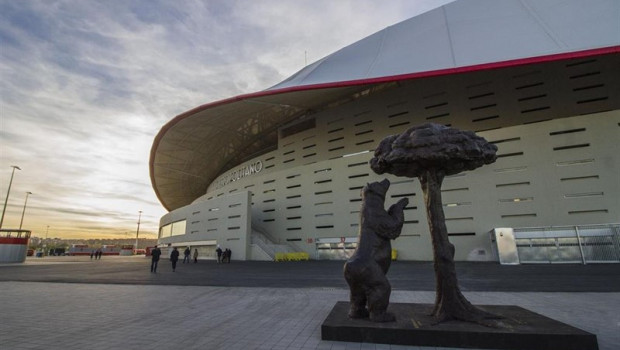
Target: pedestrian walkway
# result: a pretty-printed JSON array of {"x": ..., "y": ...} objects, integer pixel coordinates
[
  {"x": 110, "y": 316},
  {"x": 403, "y": 275},
  {"x": 116, "y": 303}
]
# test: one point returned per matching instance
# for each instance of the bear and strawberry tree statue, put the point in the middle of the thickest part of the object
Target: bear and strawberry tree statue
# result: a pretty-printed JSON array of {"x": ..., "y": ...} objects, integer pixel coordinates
[{"x": 430, "y": 152}]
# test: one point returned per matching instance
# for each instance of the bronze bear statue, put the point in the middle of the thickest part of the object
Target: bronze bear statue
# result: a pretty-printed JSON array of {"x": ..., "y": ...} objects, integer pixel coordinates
[{"x": 365, "y": 271}]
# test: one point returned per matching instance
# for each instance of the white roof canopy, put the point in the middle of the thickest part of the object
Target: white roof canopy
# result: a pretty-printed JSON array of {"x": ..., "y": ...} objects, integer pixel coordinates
[{"x": 468, "y": 33}]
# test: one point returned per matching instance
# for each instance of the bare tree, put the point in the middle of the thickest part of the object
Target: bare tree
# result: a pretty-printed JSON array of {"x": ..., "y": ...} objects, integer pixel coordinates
[{"x": 430, "y": 152}]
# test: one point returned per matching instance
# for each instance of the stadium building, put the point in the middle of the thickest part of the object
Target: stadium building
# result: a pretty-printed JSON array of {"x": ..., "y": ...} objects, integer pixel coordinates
[{"x": 281, "y": 169}]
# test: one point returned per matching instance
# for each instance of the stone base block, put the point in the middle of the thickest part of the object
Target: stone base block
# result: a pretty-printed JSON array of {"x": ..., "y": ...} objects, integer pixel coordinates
[{"x": 522, "y": 330}]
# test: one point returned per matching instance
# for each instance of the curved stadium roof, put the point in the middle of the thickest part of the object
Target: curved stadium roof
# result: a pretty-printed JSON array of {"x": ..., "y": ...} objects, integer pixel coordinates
[{"x": 195, "y": 147}]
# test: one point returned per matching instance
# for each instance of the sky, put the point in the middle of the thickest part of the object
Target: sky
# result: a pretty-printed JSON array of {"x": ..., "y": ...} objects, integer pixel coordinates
[{"x": 86, "y": 85}]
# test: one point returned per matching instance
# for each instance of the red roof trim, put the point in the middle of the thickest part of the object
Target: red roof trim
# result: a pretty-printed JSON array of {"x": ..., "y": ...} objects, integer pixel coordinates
[
  {"x": 369, "y": 81},
  {"x": 448, "y": 71},
  {"x": 392, "y": 78}
]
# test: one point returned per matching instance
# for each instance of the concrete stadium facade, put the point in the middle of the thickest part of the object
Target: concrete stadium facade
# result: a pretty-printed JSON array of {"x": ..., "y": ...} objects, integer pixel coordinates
[{"x": 294, "y": 183}]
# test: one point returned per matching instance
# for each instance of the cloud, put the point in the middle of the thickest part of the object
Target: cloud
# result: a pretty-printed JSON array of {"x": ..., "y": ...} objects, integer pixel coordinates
[{"x": 86, "y": 86}]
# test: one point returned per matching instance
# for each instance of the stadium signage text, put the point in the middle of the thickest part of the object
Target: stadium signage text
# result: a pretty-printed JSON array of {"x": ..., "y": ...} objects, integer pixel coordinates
[{"x": 239, "y": 174}]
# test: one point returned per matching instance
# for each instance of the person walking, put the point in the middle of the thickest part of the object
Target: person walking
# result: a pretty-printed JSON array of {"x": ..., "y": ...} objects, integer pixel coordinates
[
  {"x": 219, "y": 254},
  {"x": 174, "y": 257},
  {"x": 195, "y": 256},
  {"x": 155, "y": 253},
  {"x": 186, "y": 254}
]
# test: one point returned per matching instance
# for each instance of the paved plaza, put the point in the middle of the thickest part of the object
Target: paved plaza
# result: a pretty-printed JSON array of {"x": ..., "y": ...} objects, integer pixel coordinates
[{"x": 93, "y": 315}]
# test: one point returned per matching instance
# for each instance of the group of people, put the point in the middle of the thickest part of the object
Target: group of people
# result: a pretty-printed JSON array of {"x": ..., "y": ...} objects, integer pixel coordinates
[
  {"x": 222, "y": 257},
  {"x": 96, "y": 254},
  {"x": 187, "y": 254}
]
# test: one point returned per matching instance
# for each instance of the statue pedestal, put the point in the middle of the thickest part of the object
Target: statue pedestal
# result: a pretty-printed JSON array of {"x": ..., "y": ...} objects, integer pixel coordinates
[{"x": 522, "y": 329}]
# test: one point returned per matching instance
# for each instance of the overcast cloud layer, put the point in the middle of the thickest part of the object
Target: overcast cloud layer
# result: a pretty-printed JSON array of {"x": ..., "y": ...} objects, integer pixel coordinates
[{"x": 86, "y": 85}]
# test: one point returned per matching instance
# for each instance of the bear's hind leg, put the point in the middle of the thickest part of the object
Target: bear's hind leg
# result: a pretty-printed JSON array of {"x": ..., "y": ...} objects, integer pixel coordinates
[
  {"x": 379, "y": 298},
  {"x": 358, "y": 302},
  {"x": 357, "y": 286}
]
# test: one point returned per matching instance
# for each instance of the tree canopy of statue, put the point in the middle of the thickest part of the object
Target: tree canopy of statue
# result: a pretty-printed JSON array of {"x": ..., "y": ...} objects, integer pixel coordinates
[{"x": 430, "y": 152}]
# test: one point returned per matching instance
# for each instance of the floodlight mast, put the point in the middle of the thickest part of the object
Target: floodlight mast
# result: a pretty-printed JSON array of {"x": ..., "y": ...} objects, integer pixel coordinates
[
  {"x": 24, "y": 210},
  {"x": 138, "y": 230},
  {"x": 6, "y": 200}
]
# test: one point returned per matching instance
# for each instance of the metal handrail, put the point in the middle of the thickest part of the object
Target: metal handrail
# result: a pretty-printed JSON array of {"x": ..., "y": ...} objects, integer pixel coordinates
[
  {"x": 7, "y": 232},
  {"x": 596, "y": 243},
  {"x": 612, "y": 224}
]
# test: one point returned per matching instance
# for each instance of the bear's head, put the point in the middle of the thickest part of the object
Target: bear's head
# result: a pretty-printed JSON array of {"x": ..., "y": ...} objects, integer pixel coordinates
[{"x": 376, "y": 188}]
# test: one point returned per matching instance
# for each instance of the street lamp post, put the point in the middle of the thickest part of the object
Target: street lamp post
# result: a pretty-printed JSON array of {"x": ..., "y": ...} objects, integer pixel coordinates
[
  {"x": 24, "y": 211},
  {"x": 6, "y": 200},
  {"x": 138, "y": 230},
  {"x": 47, "y": 230}
]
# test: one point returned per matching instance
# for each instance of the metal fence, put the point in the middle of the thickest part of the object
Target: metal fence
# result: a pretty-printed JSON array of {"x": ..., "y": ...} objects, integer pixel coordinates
[
  {"x": 14, "y": 233},
  {"x": 569, "y": 244}
]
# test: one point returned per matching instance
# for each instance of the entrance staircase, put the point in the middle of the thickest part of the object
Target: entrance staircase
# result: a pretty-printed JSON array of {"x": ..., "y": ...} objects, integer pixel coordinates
[{"x": 268, "y": 245}]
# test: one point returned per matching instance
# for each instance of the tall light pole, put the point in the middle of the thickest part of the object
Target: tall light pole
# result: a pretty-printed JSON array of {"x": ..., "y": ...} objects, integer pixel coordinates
[
  {"x": 7, "y": 193},
  {"x": 45, "y": 244},
  {"x": 138, "y": 230},
  {"x": 24, "y": 211}
]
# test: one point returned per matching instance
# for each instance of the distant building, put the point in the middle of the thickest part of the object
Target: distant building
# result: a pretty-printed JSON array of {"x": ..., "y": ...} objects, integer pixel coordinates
[{"x": 282, "y": 169}]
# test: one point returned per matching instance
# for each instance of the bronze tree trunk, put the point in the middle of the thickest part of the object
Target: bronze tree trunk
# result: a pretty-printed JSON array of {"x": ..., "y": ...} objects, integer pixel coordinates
[{"x": 449, "y": 301}]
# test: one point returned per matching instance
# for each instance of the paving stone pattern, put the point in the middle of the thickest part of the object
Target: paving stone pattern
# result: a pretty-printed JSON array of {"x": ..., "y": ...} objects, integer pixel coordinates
[
  {"x": 116, "y": 303},
  {"x": 52, "y": 315}
]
